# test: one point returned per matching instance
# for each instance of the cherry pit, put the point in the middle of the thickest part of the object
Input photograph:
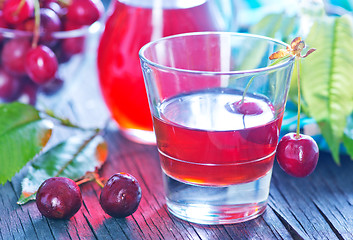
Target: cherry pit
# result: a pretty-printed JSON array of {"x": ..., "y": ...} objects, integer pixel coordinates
[
  {"x": 36, "y": 36},
  {"x": 61, "y": 198}
]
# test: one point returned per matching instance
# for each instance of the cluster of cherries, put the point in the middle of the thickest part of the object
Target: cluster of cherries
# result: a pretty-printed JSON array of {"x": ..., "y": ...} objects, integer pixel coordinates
[
  {"x": 61, "y": 198},
  {"x": 30, "y": 52}
]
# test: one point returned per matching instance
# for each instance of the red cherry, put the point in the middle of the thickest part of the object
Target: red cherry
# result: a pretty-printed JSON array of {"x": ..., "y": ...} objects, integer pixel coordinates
[
  {"x": 246, "y": 107},
  {"x": 41, "y": 64},
  {"x": 14, "y": 13},
  {"x": 52, "y": 86},
  {"x": 59, "y": 198},
  {"x": 28, "y": 93},
  {"x": 13, "y": 55},
  {"x": 3, "y": 23},
  {"x": 84, "y": 12},
  {"x": 9, "y": 85},
  {"x": 121, "y": 195},
  {"x": 74, "y": 45},
  {"x": 297, "y": 156},
  {"x": 44, "y": 3},
  {"x": 49, "y": 23},
  {"x": 60, "y": 11}
]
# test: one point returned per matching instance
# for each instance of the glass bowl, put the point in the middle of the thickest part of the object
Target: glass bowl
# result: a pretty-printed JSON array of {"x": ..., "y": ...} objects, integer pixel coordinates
[{"x": 72, "y": 48}]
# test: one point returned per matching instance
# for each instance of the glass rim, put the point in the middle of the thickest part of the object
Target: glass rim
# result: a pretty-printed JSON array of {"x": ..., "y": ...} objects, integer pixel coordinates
[
  {"x": 79, "y": 32},
  {"x": 235, "y": 72}
]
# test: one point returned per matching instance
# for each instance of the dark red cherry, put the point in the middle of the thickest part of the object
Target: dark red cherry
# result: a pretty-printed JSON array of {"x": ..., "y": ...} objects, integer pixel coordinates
[
  {"x": 247, "y": 107},
  {"x": 74, "y": 45},
  {"x": 14, "y": 13},
  {"x": 3, "y": 23},
  {"x": 121, "y": 195},
  {"x": 52, "y": 86},
  {"x": 9, "y": 85},
  {"x": 55, "y": 6},
  {"x": 14, "y": 54},
  {"x": 50, "y": 22},
  {"x": 41, "y": 64},
  {"x": 43, "y": 3},
  {"x": 59, "y": 198},
  {"x": 297, "y": 156},
  {"x": 28, "y": 92},
  {"x": 84, "y": 12}
]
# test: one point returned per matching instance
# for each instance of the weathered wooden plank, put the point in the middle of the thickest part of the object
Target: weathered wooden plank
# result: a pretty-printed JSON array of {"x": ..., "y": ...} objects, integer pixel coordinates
[
  {"x": 10, "y": 214},
  {"x": 276, "y": 226},
  {"x": 315, "y": 207},
  {"x": 330, "y": 194}
]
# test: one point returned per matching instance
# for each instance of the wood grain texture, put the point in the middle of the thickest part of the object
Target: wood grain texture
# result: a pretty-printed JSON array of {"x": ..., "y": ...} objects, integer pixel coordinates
[{"x": 316, "y": 207}]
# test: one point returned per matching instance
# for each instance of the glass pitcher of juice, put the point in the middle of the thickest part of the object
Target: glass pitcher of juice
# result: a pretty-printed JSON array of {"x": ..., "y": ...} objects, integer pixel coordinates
[{"x": 130, "y": 25}]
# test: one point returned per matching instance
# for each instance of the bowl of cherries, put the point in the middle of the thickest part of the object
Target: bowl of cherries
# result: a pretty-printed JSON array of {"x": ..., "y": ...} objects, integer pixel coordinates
[{"x": 42, "y": 42}]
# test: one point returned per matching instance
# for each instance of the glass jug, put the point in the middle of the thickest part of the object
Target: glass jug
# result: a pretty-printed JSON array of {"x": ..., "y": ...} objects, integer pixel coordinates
[{"x": 130, "y": 25}]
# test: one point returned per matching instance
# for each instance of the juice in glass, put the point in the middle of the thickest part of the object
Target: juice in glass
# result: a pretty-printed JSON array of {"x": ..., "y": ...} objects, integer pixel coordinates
[{"x": 201, "y": 140}]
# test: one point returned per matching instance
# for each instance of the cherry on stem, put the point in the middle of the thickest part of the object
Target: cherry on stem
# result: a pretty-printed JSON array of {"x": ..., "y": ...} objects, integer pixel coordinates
[{"x": 297, "y": 154}]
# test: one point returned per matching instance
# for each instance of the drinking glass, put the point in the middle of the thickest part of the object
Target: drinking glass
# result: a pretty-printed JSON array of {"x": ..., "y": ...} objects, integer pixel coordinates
[
  {"x": 217, "y": 109},
  {"x": 130, "y": 25}
]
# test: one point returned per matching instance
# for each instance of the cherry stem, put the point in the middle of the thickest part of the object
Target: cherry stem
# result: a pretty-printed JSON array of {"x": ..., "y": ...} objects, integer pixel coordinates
[
  {"x": 99, "y": 182},
  {"x": 91, "y": 176},
  {"x": 20, "y": 6},
  {"x": 246, "y": 90},
  {"x": 82, "y": 181},
  {"x": 36, "y": 24},
  {"x": 66, "y": 122},
  {"x": 299, "y": 97},
  {"x": 65, "y": 2},
  {"x": 252, "y": 79}
]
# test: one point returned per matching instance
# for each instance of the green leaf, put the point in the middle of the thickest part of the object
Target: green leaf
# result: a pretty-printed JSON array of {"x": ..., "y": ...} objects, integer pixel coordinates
[
  {"x": 348, "y": 136},
  {"x": 326, "y": 77},
  {"x": 23, "y": 134},
  {"x": 72, "y": 158},
  {"x": 277, "y": 25}
]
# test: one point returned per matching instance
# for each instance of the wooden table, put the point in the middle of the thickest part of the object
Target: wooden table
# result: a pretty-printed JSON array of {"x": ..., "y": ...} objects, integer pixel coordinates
[{"x": 317, "y": 207}]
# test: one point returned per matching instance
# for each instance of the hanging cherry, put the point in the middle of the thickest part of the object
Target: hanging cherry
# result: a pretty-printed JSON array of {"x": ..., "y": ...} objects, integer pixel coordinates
[{"x": 297, "y": 154}]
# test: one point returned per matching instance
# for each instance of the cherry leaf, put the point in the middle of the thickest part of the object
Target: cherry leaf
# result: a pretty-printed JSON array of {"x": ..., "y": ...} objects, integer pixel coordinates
[
  {"x": 326, "y": 77},
  {"x": 72, "y": 158},
  {"x": 23, "y": 134}
]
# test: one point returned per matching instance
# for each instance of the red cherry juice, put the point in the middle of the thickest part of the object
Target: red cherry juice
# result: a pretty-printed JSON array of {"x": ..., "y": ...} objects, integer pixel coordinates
[
  {"x": 202, "y": 141},
  {"x": 127, "y": 29}
]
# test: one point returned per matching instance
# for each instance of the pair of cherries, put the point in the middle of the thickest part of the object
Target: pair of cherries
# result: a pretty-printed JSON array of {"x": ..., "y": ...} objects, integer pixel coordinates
[{"x": 60, "y": 197}]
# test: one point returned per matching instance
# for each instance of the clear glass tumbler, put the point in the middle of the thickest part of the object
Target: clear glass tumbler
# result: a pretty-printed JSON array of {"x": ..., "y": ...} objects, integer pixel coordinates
[{"x": 217, "y": 109}]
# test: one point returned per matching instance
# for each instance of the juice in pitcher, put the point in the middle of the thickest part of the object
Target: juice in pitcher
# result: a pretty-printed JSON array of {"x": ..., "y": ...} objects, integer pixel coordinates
[{"x": 131, "y": 25}]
